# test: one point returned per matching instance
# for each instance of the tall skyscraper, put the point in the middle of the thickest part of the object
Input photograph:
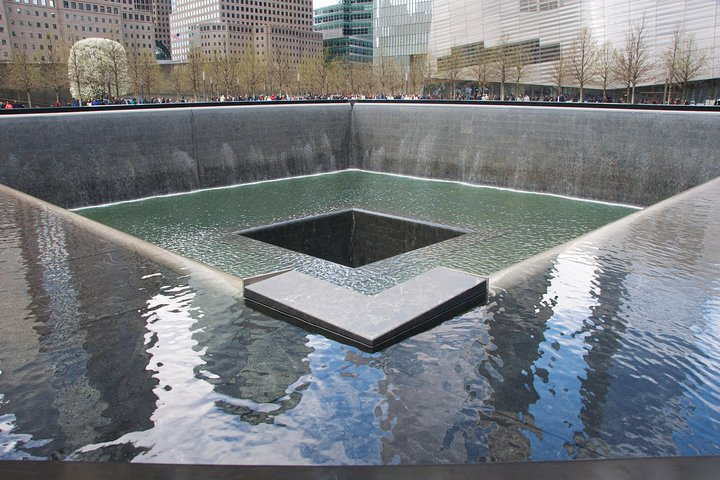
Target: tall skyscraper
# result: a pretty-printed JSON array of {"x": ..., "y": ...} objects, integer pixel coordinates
[{"x": 267, "y": 27}]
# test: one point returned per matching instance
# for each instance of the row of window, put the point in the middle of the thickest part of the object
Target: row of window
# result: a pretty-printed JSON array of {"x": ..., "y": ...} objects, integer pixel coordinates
[
  {"x": 89, "y": 18},
  {"x": 89, "y": 8},
  {"x": 43, "y": 3},
  {"x": 29, "y": 24},
  {"x": 22, "y": 34}
]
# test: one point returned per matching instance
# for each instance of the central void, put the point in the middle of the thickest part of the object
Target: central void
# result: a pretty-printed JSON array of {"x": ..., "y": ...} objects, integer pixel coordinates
[{"x": 353, "y": 237}]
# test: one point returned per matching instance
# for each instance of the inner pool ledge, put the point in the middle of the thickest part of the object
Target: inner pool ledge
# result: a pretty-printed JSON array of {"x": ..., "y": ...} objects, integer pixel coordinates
[{"x": 368, "y": 322}]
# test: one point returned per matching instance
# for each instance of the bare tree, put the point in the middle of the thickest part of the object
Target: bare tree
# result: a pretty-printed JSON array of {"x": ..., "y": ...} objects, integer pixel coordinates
[
  {"x": 335, "y": 79},
  {"x": 54, "y": 69},
  {"x": 194, "y": 68},
  {"x": 150, "y": 74},
  {"x": 604, "y": 67},
  {"x": 583, "y": 57},
  {"x": 429, "y": 71},
  {"x": 633, "y": 63},
  {"x": 77, "y": 71},
  {"x": 691, "y": 60},
  {"x": 138, "y": 66},
  {"x": 416, "y": 75},
  {"x": 388, "y": 75},
  {"x": 519, "y": 60},
  {"x": 482, "y": 73},
  {"x": 452, "y": 70},
  {"x": 176, "y": 79},
  {"x": 252, "y": 71},
  {"x": 4, "y": 71},
  {"x": 224, "y": 69},
  {"x": 670, "y": 59},
  {"x": 560, "y": 72},
  {"x": 318, "y": 74},
  {"x": 279, "y": 70},
  {"x": 23, "y": 74},
  {"x": 363, "y": 77},
  {"x": 306, "y": 74},
  {"x": 503, "y": 61}
]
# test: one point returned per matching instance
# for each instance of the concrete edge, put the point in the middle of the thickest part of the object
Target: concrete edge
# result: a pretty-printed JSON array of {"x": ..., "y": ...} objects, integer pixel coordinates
[{"x": 199, "y": 271}]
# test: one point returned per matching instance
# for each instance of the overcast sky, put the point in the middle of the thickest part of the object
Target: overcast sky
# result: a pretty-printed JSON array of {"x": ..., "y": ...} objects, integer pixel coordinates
[{"x": 324, "y": 3}]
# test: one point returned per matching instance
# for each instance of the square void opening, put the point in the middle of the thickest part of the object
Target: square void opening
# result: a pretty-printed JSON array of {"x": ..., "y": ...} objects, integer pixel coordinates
[{"x": 353, "y": 237}]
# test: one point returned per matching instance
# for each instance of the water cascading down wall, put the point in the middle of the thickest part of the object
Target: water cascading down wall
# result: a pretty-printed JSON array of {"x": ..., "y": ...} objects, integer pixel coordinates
[{"x": 633, "y": 156}]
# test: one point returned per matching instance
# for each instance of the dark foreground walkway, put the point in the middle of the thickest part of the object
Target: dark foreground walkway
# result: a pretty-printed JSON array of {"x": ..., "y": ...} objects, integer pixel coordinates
[{"x": 679, "y": 468}]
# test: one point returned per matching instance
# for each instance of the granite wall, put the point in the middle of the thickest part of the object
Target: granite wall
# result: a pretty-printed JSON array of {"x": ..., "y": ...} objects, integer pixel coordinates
[
  {"x": 633, "y": 156},
  {"x": 94, "y": 157}
]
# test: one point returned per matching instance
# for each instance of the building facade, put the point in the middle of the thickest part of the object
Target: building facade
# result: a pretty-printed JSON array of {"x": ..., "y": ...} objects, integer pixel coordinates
[
  {"x": 280, "y": 27},
  {"x": 467, "y": 31},
  {"x": 474, "y": 29},
  {"x": 36, "y": 26},
  {"x": 401, "y": 30},
  {"x": 347, "y": 30}
]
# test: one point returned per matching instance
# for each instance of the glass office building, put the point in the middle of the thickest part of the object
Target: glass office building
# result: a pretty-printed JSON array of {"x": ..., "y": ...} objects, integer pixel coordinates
[
  {"x": 347, "y": 30},
  {"x": 544, "y": 28},
  {"x": 401, "y": 29}
]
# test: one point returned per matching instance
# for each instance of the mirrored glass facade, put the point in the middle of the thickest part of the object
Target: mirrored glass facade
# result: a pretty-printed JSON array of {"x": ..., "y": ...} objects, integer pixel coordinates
[
  {"x": 347, "y": 30},
  {"x": 548, "y": 27},
  {"x": 404, "y": 28},
  {"x": 401, "y": 29}
]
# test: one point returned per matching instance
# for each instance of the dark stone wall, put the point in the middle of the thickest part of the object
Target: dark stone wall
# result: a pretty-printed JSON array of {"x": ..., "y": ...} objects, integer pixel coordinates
[
  {"x": 89, "y": 158},
  {"x": 352, "y": 237},
  {"x": 630, "y": 156}
]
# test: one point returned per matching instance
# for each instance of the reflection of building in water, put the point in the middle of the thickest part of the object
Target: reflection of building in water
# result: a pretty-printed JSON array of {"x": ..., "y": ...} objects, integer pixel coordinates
[
  {"x": 251, "y": 360},
  {"x": 519, "y": 322},
  {"x": 19, "y": 343},
  {"x": 645, "y": 344},
  {"x": 88, "y": 380}
]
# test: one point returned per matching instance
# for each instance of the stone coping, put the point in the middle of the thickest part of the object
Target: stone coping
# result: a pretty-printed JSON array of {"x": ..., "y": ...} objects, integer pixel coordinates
[{"x": 367, "y": 322}]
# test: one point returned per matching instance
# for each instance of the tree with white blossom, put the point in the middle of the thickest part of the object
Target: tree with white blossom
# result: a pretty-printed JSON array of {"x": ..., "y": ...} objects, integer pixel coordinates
[{"x": 97, "y": 67}]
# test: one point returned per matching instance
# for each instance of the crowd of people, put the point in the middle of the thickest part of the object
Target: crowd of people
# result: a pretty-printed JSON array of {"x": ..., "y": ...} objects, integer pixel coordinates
[{"x": 10, "y": 104}]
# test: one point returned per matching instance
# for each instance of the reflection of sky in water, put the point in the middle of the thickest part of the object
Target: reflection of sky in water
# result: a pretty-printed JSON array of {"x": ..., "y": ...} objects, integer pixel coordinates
[
  {"x": 561, "y": 366},
  {"x": 334, "y": 421}
]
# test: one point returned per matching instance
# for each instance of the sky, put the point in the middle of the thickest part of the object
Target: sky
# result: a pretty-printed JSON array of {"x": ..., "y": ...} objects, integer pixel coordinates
[{"x": 323, "y": 3}]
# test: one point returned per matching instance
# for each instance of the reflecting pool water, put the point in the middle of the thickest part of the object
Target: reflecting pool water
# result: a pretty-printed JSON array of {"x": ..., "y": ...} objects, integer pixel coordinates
[
  {"x": 507, "y": 226},
  {"x": 606, "y": 349}
]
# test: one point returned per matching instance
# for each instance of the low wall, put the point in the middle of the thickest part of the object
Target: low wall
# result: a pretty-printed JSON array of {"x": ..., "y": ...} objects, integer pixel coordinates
[
  {"x": 633, "y": 156},
  {"x": 94, "y": 157},
  {"x": 630, "y": 156}
]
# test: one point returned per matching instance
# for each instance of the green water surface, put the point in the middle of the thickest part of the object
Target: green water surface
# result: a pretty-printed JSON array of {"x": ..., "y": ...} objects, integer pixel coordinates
[{"x": 507, "y": 226}]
